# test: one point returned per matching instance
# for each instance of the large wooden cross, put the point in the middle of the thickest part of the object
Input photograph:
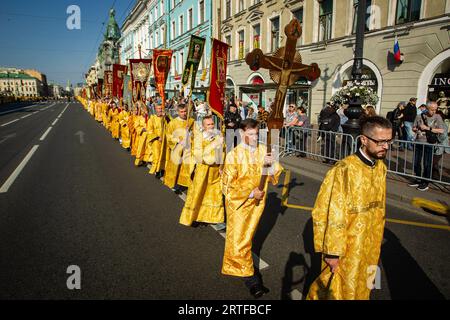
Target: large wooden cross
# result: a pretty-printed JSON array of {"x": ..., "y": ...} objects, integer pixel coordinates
[{"x": 285, "y": 68}]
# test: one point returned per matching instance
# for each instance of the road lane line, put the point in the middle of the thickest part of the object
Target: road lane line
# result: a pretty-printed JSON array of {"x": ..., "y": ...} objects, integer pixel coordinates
[
  {"x": 26, "y": 116},
  {"x": 45, "y": 134},
  {"x": 4, "y": 188},
  {"x": 15, "y": 110},
  {"x": 56, "y": 120},
  {"x": 5, "y": 124}
]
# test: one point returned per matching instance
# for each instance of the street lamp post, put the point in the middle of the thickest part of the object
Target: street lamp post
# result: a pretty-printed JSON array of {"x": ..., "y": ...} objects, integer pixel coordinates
[{"x": 354, "y": 110}]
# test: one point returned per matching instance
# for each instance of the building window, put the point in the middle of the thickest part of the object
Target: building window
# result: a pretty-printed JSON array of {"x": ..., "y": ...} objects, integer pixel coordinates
[
  {"x": 228, "y": 41},
  {"x": 174, "y": 68},
  {"x": 241, "y": 45},
  {"x": 256, "y": 36},
  {"x": 181, "y": 25},
  {"x": 298, "y": 14},
  {"x": 173, "y": 4},
  {"x": 241, "y": 5},
  {"x": 274, "y": 34},
  {"x": 257, "y": 1},
  {"x": 202, "y": 11},
  {"x": 181, "y": 61},
  {"x": 355, "y": 12},
  {"x": 162, "y": 7},
  {"x": 174, "y": 34},
  {"x": 190, "y": 19},
  {"x": 325, "y": 19},
  {"x": 227, "y": 9},
  {"x": 407, "y": 11},
  {"x": 156, "y": 13}
]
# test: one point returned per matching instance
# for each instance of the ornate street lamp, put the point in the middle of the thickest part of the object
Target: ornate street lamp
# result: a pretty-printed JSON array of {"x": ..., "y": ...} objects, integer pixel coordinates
[{"x": 354, "y": 110}]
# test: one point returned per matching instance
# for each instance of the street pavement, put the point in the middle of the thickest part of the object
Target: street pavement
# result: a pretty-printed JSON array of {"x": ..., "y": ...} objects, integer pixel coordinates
[{"x": 79, "y": 200}]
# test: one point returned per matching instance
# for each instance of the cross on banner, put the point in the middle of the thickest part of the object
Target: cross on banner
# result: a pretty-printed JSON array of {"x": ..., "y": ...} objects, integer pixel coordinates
[{"x": 285, "y": 68}]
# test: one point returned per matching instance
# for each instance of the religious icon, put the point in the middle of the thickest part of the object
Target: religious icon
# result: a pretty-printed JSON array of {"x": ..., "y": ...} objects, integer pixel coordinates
[
  {"x": 161, "y": 63},
  {"x": 196, "y": 54},
  {"x": 221, "y": 70}
]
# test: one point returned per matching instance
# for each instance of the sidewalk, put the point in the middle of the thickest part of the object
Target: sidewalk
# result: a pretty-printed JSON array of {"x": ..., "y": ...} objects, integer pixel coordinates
[{"x": 398, "y": 193}]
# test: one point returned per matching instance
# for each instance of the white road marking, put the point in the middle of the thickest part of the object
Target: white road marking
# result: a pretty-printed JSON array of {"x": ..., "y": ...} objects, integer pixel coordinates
[
  {"x": 26, "y": 116},
  {"x": 259, "y": 263},
  {"x": 4, "y": 188},
  {"x": 15, "y": 110},
  {"x": 56, "y": 120},
  {"x": 5, "y": 124},
  {"x": 45, "y": 134}
]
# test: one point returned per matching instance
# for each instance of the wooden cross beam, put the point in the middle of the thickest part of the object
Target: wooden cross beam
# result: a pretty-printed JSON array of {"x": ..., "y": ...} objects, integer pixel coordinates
[{"x": 285, "y": 68}]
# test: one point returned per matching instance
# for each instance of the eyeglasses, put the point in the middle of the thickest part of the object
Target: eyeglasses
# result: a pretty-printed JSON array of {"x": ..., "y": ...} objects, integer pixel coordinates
[{"x": 380, "y": 143}]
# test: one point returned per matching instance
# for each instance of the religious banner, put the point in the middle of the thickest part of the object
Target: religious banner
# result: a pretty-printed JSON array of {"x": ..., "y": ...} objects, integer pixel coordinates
[
  {"x": 119, "y": 71},
  {"x": 140, "y": 72},
  {"x": 217, "y": 76},
  {"x": 195, "y": 53},
  {"x": 161, "y": 67},
  {"x": 108, "y": 83},
  {"x": 127, "y": 87},
  {"x": 100, "y": 88}
]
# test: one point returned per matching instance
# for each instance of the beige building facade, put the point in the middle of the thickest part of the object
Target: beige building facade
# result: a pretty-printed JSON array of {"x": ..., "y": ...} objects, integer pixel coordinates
[{"x": 421, "y": 26}]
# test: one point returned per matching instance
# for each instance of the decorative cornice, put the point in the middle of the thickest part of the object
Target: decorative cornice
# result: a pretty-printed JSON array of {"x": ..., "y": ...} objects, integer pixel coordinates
[{"x": 254, "y": 16}]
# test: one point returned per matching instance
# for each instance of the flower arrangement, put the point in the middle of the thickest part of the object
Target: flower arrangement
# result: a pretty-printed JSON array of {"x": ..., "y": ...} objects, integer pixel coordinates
[{"x": 350, "y": 92}]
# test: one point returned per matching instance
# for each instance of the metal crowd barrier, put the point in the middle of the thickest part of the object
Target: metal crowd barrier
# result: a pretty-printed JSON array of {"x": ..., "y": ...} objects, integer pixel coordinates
[
  {"x": 317, "y": 144},
  {"x": 404, "y": 158}
]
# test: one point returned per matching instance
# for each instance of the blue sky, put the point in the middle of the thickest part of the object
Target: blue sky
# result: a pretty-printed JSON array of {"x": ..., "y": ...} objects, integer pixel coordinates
[{"x": 33, "y": 34}]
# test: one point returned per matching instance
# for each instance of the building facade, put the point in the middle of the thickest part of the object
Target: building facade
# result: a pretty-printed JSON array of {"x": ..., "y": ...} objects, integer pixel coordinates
[
  {"x": 186, "y": 18},
  {"x": 328, "y": 38},
  {"x": 14, "y": 82}
]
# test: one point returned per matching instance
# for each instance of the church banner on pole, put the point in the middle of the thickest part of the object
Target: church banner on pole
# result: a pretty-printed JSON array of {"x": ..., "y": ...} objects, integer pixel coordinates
[
  {"x": 196, "y": 47},
  {"x": 140, "y": 73},
  {"x": 119, "y": 71},
  {"x": 161, "y": 67},
  {"x": 218, "y": 76}
]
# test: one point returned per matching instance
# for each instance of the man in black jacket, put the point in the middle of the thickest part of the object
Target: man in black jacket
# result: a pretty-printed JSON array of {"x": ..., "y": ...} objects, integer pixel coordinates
[
  {"x": 409, "y": 115},
  {"x": 329, "y": 122}
]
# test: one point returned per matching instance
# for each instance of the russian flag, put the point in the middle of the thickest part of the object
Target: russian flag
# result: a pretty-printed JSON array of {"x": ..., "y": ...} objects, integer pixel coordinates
[{"x": 397, "y": 53}]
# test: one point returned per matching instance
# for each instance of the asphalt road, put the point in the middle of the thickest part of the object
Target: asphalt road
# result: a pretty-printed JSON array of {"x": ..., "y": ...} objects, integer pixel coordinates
[{"x": 80, "y": 201}]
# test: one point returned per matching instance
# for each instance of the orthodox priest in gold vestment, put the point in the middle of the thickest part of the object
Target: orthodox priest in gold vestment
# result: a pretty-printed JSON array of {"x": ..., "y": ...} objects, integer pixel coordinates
[
  {"x": 124, "y": 119},
  {"x": 155, "y": 139},
  {"x": 141, "y": 134},
  {"x": 177, "y": 171},
  {"x": 349, "y": 216},
  {"x": 204, "y": 197},
  {"x": 244, "y": 202}
]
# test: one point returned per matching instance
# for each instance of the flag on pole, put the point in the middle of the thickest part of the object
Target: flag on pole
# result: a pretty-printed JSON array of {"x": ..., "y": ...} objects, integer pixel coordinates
[
  {"x": 161, "y": 67},
  {"x": 397, "y": 54},
  {"x": 127, "y": 87},
  {"x": 217, "y": 76},
  {"x": 196, "y": 47},
  {"x": 140, "y": 72}
]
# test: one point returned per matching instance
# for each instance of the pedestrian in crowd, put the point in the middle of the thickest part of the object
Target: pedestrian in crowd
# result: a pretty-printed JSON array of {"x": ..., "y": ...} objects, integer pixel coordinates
[
  {"x": 349, "y": 217},
  {"x": 342, "y": 116},
  {"x": 290, "y": 120},
  {"x": 396, "y": 118},
  {"x": 370, "y": 111},
  {"x": 409, "y": 116},
  {"x": 329, "y": 123},
  {"x": 251, "y": 113},
  {"x": 427, "y": 127},
  {"x": 422, "y": 109},
  {"x": 263, "y": 116},
  {"x": 443, "y": 147},
  {"x": 232, "y": 118},
  {"x": 242, "y": 110},
  {"x": 304, "y": 124}
]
